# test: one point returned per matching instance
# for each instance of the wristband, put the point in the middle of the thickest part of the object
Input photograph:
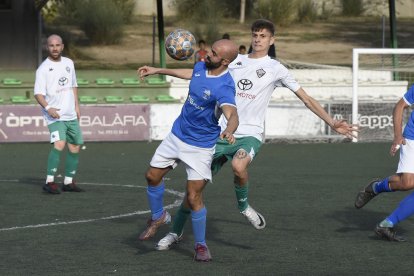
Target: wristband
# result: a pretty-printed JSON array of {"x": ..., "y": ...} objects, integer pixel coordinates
[{"x": 47, "y": 107}]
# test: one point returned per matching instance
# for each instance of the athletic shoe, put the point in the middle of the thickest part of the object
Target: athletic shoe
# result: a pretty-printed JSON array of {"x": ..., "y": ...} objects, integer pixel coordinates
[
  {"x": 255, "y": 218},
  {"x": 170, "y": 239},
  {"x": 388, "y": 233},
  {"x": 364, "y": 196},
  {"x": 202, "y": 254},
  {"x": 153, "y": 225},
  {"x": 72, "y": 187},
  {"x": 51, "y": 188}
]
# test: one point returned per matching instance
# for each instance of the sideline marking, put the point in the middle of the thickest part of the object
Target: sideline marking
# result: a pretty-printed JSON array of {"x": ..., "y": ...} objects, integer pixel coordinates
[{"x": 176, "y": 203}]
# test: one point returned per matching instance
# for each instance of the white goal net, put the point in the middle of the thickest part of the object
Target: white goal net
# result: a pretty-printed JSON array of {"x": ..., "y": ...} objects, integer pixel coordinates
[{"x": 380, "y": 77}]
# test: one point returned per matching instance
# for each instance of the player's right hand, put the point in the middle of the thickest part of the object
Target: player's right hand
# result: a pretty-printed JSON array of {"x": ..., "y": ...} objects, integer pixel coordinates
[
  {"x": 228, "y": 136},
  {"x": 53, "y": 112},
  {"x": 396, "y": 144}
]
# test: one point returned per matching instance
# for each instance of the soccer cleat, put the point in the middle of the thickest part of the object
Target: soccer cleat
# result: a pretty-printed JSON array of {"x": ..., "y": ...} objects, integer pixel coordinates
[
  {"x": 51, "y": 188},
  {"x": 153, "y": 225},
  {"x": 166, "y": 242},
  {"x": 202, "y": 254},
  {"x": 388, "y": 233},
  {"x": 364, "y": 196},
  {"x": 254, "y": 217},
  {"x": 72, "y": 187}
]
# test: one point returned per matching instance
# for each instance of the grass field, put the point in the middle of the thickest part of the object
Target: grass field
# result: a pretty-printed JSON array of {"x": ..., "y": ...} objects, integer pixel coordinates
[{"x": 305, "y": 191}]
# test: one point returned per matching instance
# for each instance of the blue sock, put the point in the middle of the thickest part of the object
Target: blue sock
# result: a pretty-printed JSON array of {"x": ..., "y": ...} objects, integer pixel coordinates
[
  {"x": 403, "y": 211},
  {"x": 155, "y": 196},
  {"x": 199, "y": 219},
  {"x": 381, "y": 186}
]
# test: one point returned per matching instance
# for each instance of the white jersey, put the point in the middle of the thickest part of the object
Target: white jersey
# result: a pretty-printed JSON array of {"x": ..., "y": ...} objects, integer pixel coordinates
[
  {"x": 55, "y": 80},
  {"x": 255, "y": 80}
]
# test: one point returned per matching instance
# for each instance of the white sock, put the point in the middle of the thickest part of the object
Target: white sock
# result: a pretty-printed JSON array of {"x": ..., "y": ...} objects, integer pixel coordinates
[
  {"x": 68, "y": 180},
  {"x": 50, "y": 178}
]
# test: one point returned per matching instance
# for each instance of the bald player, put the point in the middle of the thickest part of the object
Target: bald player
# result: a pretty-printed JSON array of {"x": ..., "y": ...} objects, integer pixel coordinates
[
  {"x": 57, "y": 93},
  {"x": 193, "y": 137}
]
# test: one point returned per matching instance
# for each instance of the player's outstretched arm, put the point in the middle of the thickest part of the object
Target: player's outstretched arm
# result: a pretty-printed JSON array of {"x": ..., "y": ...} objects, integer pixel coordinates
[
  {"x": 398, "y": 123},
  {"x": 230, "y": 112},
  {"x": 179, "y": 73},
  {"x": 341, "y": 127}
]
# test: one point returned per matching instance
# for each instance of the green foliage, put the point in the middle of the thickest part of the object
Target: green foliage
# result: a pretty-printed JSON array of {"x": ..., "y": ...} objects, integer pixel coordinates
[
  {"x": 352, "y": 7},
  {"x": 101, "y": 21},
  {"x": 307, "y": 11},
  {"x": 127, "y": 9},
  {"x": 325, "y": 13},
  {"x": 50, "y": 12},
  {"x": 281, "y": 12},
  {"x": 204, "y": 17},
  {"x": 231, "y": 8}
]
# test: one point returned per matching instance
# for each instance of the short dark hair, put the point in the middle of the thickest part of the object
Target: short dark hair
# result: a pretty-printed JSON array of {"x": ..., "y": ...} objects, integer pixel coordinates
[
  {"x": 201, "y": 41},
  {"x": 242, "y": 47},
  {"x": 261, "y": 24}
]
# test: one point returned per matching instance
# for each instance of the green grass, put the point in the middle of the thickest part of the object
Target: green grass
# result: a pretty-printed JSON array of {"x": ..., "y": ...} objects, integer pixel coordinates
[{"x": 305, "y": 191}]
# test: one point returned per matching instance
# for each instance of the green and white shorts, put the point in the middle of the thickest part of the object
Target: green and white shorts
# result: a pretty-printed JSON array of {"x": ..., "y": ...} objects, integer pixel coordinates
[
  {"x": 225, "y": 151},
  {"x": 68, "y": 131}
]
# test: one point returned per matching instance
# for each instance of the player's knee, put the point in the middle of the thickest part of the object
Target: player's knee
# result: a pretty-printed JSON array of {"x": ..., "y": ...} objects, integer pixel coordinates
[
  {"x": 239, "y": 169},
  {"x": 151, "y": 178},
  {"x": 59, "y": 145},
  {"x": 407, "y": 184},
  {"x": 193, "y": 198}
]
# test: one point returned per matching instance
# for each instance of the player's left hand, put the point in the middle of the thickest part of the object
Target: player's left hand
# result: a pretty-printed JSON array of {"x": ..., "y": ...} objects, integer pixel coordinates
[
  {"x": 346, "y": 129},
  {"x": 228, "y": 136}
]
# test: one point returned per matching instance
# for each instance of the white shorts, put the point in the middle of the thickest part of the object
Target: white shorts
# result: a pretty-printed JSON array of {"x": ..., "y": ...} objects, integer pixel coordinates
[
  {"x": 406, "y": 164},
  {"x": 197, "y": 160}
]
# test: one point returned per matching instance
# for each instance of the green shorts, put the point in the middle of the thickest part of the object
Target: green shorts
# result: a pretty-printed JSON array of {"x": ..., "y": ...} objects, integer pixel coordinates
[
  {"x": 225, "y": 151},
  {"x": 68, "y": 131}
]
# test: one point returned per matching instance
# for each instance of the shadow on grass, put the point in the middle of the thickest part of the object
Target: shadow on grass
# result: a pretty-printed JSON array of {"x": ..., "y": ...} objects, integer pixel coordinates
[{"x": 363, "y": 220}]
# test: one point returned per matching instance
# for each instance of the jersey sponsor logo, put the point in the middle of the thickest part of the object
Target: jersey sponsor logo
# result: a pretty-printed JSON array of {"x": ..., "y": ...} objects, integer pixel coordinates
[
  {"x": 206, "y": 94},
  {"x": 239, "y": 63},
  {"x": 246, "y": 95},
  {"x": 50, "y": 69},
  {"x": 63, "y": 81},
  {"x": 244, "y": 84},
  {"x": 260, "y": 73},
  {"x": 191, "y": 101},
  {"x": 68, "y": 69}
]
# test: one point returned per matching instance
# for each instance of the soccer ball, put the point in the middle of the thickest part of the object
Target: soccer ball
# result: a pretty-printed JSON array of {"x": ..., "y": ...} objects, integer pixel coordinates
[{"x": 180, "y": 44}]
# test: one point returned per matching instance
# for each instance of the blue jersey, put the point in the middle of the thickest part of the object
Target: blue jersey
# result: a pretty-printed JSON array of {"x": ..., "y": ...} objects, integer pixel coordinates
[
  {"x": 197, "y": 124},
  {"x": 409, "y": 128}
]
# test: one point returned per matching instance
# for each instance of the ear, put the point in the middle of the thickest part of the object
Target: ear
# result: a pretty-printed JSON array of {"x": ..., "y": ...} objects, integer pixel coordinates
[
  {"x": 272, "y": 40},
  {"x": 225, "y": 62}
]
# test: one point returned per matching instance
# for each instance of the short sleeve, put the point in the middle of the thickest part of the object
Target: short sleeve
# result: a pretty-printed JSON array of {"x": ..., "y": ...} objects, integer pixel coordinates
[
  {"x": 409, "y": 96},
  {"x": 40, "y": 83},
  {"x": 227, "y": 95}
]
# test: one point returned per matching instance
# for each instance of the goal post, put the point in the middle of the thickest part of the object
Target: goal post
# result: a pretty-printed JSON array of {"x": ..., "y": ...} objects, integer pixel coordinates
[{"x": 393, "y": 71}]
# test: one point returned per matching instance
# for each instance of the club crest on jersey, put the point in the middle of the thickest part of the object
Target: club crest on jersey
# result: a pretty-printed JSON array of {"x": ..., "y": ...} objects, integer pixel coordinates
[
  {"x": 67, "y": 69},
  {"x": 63, "y": 81},
  {"x": 50, "y": 69},
  {"x": 260, "y": 73},
  {"x": 206, "y": 94},
  {"x": 244, "y": 84},
  {"x": 239, "y": 63}
]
